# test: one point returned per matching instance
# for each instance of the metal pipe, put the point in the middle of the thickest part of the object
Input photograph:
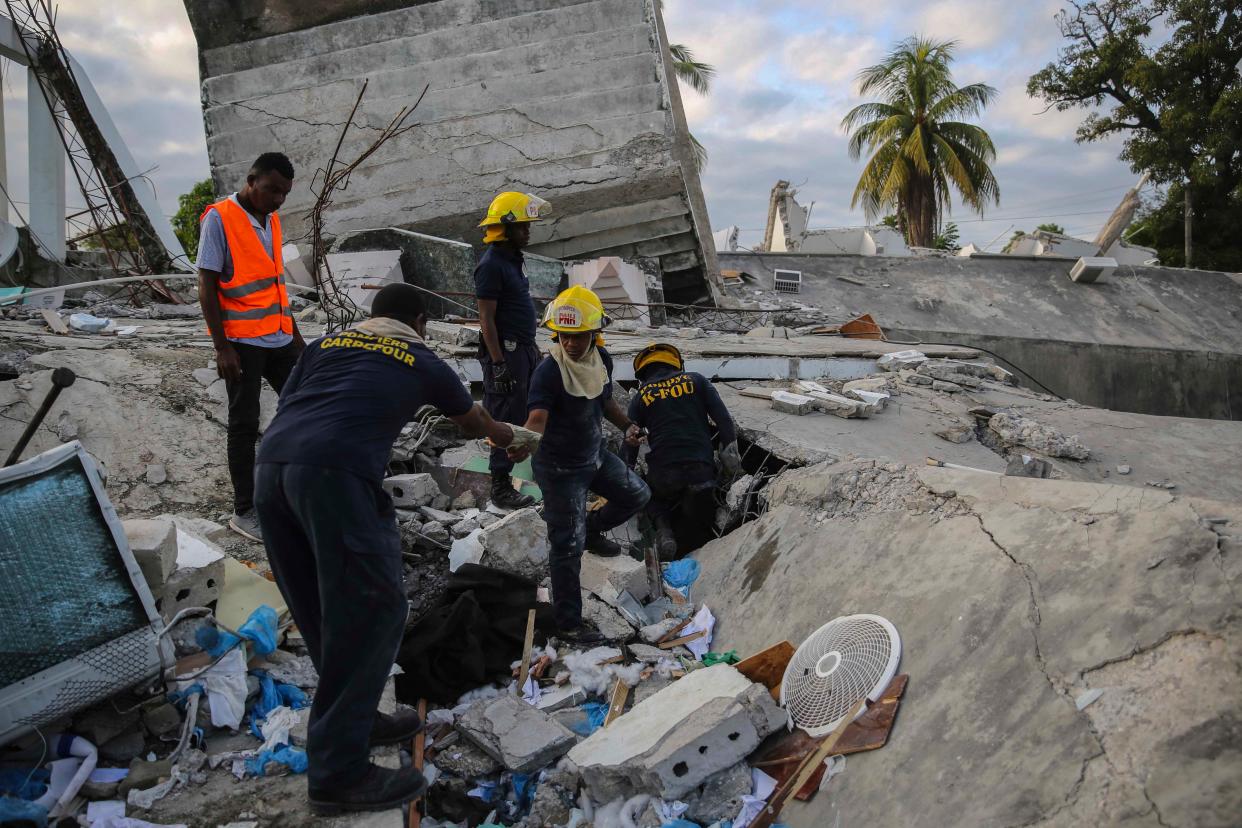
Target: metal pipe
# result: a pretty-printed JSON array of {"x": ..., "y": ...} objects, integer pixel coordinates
[{"x": 62, "y": 378}]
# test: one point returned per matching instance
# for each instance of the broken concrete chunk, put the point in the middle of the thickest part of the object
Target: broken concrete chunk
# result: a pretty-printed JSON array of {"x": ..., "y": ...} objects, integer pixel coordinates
[
  {"x": 411, "y": 490},
  {"x": 788, "y": 403},
  {"x": 452, "y": 334},
  {"x": 517, "y": 543},
  {"x": 205, "y": 376},
  {"x": 561, "y": 698},
  {"x": 837, "y": 405},
  {"x": 610, "y": 622},
  {"x": 464, "y": 501},
  {"x": 654, "y": 632},
  {"x": 154, "y": 544},
  {"x": 900, "y": 359},
  {"x": 648, "y": 653},
  {"x": 467, "y": 760},
  {"x": 945, "y": 387},
  {"x": 880, "y": 385},
  {"x": 874, "y": 400},
  {"x": 1123, "y": 469},
  {"x": 609, "y": 577},
  {"x": 157, "y": 473},
  {"x": 957, "y": 433},
  {"x": 1016, "y": 430},
  {"x": 673, "y": 741},
  {"x": 436, "y": 534},
  {"x": 522, "y": 738},
  {"x": 736, "y": 495},
  {"x": 914, "y": 378},
  {"x": 720, "y": 797},
  {"x": 161, "y": 720},
  {"x": 447, "y": 518}
]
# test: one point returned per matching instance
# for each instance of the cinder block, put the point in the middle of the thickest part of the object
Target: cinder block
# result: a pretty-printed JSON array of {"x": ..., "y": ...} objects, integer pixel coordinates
[
  {"x": 197, "y": 579},
  {"x": 609, "y": 577},
  {"x": 409, "y": 491},
  {"x": 788, "y": 403},
  {"x": 671, "y": 742},
  {"x": 517, "y": 543},
  {"x": 154, "y": 544}
]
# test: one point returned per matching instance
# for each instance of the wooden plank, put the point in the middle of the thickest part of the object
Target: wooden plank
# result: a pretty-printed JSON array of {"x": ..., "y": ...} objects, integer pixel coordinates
[
  {"x": 655, "y": 575},
  {"x": 767, "y": 667},
  {"x": 616, "y": 704},
  {"x": 420, "y": 748},
  {"x": 668, "y": 645},
  {"x": 674, "y": 631},
  {"x": 527, "y": 646},
  {"x": 53, "y": 320}
]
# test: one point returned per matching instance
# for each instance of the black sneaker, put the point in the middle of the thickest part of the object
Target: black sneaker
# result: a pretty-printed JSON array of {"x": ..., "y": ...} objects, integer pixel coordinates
[
  {"x": 583, "y": 633},
  {"x": 381, "y": 789},
  {"x": 599, "y": 545},
  {"x": 504, "y": 496},
  {"x": 396, "y": 729},
  {"x": 247, "y": 525}
]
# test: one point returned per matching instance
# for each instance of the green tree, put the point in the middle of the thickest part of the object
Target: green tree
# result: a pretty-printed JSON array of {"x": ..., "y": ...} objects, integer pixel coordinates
[
  {"x": 189, "y": 207},
  {"x": 948, "y": 238},
  {"x": 119, "y": 237},
  {"x": 1163, "y": 74},
  {"x": 699, "y": 76},
  {"x": 1051, "y": 227},
  {"x": 918, "y": 148}
]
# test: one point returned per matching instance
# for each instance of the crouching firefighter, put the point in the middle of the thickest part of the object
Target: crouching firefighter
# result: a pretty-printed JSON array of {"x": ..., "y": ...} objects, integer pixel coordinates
[
  {"x": 331, "y": 532},
  {"x": 678, "y": 409},
  {"x": 570, "y": 395},
  {"x": 507, "y": 352}
]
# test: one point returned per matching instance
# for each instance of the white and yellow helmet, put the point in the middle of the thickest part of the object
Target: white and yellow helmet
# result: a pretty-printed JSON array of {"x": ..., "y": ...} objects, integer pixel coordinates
[
  {"x": 575, "y": 310},
  {"x": 511, "y": 208}
]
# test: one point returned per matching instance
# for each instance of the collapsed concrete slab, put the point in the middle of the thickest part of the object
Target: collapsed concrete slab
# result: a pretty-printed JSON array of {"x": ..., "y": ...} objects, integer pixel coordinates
[
  {"x": 670, "y": 743},
  {"x": 1013, "y": 597},
  {"x": 573, "y": 101},
  {"x": 520, "y": 737}
]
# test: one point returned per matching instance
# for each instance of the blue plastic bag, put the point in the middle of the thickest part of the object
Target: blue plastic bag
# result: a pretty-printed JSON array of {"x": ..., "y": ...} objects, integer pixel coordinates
[
  {"x": 24, "y": 783},
  {"x": 261, "y": 629},
  {"x": 292, "y": 758},
  {"x": 680, "y": 823},
  {"x": 596, "y": 712},
  {"x": 13, "y": 809},
  {"x": 273, "y": 694},
  {"x": 681, "y": 574}
]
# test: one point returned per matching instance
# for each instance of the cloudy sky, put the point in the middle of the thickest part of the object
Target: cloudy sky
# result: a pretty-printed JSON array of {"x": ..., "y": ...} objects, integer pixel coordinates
[{"x": 785, "y": 77}]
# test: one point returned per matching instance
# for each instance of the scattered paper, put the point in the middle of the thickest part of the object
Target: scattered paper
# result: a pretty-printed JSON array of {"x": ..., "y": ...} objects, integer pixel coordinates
[
  {"x": 752, "y": 804},
  {"x": 705, "y": 622},
  {"x": 102, "y": 810}
]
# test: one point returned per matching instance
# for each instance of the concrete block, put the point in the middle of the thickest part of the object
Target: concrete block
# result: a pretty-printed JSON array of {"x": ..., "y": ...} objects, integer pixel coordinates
[
  {"x": 874, "y": 400},
  {"x": 838, "y": 406},
  {"x": 161, "y": 719},
  {"x": 610, "y": 622},
  {"x": 197, "y": 579},
  {"x": 561, "y": 698},
  {"x": 372, "y": 267},
  {"x": 609, "y": 577},
  {"x": 409, "y": 491},
  {"x": 451, "y": 333},
  {"x": 517, "y": 543},
  {"x": 1090, "y": 269},
  {"x": 877, "y": 384},
  {"x": 720, "y": 797},
  {"x": 788, "y": 403},
  {"x": 672, "y": 742},
  {"x": 520, "y": 737},
  {"x": 647, "y": 653},
  {"x": 154, "y": 544},
  {"x": 447, "y": 518}
]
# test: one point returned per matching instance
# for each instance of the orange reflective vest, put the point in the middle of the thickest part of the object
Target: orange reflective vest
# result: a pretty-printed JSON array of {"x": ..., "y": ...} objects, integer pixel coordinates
[{"x": 254, "y": 302}]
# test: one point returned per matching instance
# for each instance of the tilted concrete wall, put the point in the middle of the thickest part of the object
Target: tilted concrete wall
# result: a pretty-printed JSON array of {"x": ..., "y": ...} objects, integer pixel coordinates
[
  {"x": 568, "y": 99},
  {"x": 1153, "y": 340}
]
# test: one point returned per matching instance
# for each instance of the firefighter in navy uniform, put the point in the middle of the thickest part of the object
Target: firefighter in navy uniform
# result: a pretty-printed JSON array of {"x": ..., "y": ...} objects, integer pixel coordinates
[
  {"x": 331, "y": 532},
  {"x": 680, "y": 410}
]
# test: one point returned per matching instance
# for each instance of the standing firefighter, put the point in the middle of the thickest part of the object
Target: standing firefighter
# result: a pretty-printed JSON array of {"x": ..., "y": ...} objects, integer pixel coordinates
[
  {"x": 241, "y": 288},
  {"x": 507, "y": 352},
  {"x": 570, "y": 395},
  {"x": 679, "y": 408},
  {"x": 331, "y": 532}
]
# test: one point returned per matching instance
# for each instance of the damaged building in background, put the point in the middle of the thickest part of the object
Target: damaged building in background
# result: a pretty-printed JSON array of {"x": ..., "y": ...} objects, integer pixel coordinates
[{"x": 572, "y": 101}]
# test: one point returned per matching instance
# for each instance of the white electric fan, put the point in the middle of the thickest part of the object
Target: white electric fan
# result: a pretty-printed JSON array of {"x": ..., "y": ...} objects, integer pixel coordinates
[{"x": 838, "y": 664}]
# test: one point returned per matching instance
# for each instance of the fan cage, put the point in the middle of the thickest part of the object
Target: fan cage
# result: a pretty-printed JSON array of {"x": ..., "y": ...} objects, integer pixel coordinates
[{"x": 839, "y": 664}]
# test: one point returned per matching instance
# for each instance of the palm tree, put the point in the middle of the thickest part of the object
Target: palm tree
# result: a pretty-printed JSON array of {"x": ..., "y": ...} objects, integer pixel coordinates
[
  {"x": 916, "y": 150},
  {"x": 699, "y": 76}
]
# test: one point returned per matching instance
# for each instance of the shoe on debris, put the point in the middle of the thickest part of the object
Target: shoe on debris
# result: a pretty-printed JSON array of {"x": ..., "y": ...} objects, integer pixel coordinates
[
  {"x": 380, "y": 789},
  {"x": 504, "y": 496},
  {"x": 247, "y": 525},
  {"x": 396, "y": 728},
  {"x": 666, "y": 541},
  {"x": 582, "y": 633},
  {"x": 604, "y": 547}
]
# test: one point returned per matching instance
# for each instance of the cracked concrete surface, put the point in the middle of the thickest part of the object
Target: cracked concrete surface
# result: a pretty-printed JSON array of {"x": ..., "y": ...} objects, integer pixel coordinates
[{"x": 1014, "y": 596}]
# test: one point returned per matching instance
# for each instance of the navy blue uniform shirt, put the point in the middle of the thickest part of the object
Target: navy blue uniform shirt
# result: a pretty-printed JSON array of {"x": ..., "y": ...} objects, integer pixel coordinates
[
  {"x": 575, "y": 429},
  {"x": 674, "y": 406},
  {"x": 349, "y": 397},
  {"x": 499, "y": 275}
]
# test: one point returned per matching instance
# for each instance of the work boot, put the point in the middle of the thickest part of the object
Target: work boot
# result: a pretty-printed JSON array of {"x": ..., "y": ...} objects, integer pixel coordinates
[
  {"x": 504, "y": 496},
  {"x": 666, "y": 541},
  {"x": 247, "y": 525},
  {"x": 584, "y": 633},
  {"x": 380, "y": 789},
  {"x": 598, "y": 544},
  {"x": 395, "y": 729}
]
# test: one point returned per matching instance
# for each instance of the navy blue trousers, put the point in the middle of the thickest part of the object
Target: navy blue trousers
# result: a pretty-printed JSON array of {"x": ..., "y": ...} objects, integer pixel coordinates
[
  {"x": 511, "y": 407},
  {"x": 333, "y": 545},
  {"x": 564, "y": 510}
]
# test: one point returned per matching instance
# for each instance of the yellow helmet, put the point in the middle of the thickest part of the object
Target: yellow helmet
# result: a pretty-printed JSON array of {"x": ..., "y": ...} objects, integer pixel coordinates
[
  {"x": 508, "y": 208},
  {"x": 658, "y": 352},
  {"x": 575, "y": 310}
]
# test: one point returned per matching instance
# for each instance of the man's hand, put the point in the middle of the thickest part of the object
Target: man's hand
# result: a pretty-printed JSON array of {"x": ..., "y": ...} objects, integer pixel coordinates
[
  {"x": 502, "y": 380},
  {"x": 228, "y": 363},
  {"x": 634, "y": 435},
  {"x": 731, "y": 460}
]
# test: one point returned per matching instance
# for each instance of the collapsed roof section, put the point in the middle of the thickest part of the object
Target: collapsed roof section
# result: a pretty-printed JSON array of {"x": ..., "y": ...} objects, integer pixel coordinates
[{"x": 567, "y": 99}]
